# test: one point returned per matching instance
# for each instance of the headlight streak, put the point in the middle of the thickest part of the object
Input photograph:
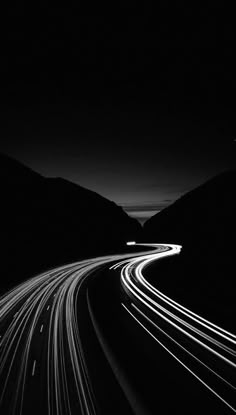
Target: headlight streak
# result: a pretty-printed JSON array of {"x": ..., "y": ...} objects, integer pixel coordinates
[
  {"x": 178, "y": 360},
  {"x": 134, "y": 290},
  {"x": 178, "y": 344},
  {"x": 208, "y": 324},
  {"x": 46, "y": 307},
  {"x": 182, "y": 323}
]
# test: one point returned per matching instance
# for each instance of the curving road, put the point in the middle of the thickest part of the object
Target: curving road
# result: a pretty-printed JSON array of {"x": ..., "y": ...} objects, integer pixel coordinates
[{"x": 42, "y": 350}]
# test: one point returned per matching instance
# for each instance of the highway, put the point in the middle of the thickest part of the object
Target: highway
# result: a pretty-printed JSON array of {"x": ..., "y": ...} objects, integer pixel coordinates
[{"x": 42, "y": 349}]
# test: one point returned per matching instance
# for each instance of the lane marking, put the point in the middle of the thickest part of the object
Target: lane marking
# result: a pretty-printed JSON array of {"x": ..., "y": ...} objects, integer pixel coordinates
[
  {"x": 33, "y": 370},
  {"x": 41, "y": 328}
]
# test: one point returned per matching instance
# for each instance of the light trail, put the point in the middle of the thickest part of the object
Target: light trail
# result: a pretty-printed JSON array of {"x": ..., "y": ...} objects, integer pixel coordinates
[
  {"x": 178, "y": 360},
  {"x": 46, "y": 306},
  {"x": 208, "y": 348},
  {"x": 22, "y": 311}
]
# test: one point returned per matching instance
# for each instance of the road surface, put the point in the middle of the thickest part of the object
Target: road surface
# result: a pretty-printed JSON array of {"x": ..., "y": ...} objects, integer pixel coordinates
[{"x": 42, "y": 344}]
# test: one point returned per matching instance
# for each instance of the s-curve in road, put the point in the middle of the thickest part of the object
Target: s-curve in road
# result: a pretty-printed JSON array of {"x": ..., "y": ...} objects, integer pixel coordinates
[{"x": 48, "y": 360}]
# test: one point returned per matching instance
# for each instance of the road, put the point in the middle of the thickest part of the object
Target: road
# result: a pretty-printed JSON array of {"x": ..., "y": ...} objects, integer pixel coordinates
[{"x": 43, "y": 360}]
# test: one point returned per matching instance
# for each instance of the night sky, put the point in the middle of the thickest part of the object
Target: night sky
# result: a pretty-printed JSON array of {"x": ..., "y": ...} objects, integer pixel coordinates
[{"x": 135, "y": 103}]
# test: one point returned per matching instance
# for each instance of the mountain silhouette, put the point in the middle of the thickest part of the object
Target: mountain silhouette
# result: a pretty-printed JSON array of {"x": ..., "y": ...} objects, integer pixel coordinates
[
  {"x": 50, "y": 221},
  {"x": 203, "y": 222},
  {"x": 207, "y": 212}
]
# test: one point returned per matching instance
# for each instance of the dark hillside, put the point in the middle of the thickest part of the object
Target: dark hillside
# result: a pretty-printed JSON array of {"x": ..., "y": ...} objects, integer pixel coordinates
[
  {"x": 50, "y": 221},
  {"x": 203, "y": 276}
]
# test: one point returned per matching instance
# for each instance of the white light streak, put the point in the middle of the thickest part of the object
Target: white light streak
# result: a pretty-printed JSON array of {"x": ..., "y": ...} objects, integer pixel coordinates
[{"x": 23, "y": 308}]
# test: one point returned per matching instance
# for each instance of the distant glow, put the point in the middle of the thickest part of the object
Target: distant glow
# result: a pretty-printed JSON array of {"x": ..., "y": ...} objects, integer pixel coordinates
[
  {"x": 142, "y": 215},
  {"x": 131, "y": 243}
]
